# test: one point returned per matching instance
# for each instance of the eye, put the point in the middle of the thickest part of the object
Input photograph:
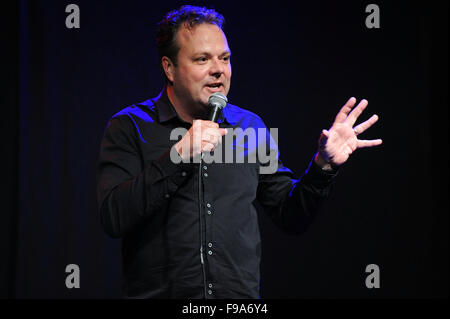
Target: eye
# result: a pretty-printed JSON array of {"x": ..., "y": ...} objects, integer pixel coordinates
[
  {"x": 226, "y": 58},
  {"x": 201, "y": 59}
]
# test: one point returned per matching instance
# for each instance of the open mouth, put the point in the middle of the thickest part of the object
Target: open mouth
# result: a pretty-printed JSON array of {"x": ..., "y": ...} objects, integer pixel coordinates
[{"x": 215, "y": 85}]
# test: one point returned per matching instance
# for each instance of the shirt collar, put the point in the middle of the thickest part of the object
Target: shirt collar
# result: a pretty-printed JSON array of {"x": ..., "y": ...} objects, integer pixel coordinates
[{"x": 166, "y": 111}]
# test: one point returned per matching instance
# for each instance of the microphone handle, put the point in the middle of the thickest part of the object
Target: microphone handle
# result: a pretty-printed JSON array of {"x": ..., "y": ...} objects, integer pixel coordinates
[{"x": 214, "y": 114}]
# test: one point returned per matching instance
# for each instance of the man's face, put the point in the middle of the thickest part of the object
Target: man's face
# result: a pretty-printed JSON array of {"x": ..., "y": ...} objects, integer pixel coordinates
[{"x": 203, "y": 64}]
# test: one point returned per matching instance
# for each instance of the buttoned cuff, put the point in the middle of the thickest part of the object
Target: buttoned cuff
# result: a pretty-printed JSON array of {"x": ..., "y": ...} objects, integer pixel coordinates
[{"x": 319, "y": 177}]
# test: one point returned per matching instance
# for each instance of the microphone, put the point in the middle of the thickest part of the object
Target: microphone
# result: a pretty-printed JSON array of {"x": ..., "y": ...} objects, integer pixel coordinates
[{"x": 217, "y": 101}]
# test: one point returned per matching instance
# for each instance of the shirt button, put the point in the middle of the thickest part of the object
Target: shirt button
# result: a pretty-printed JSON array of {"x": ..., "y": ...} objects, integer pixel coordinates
[
  {"x": 208, "y": 205},
  {"x": 183, "y": 174},
  {"x": 206, "y": 174},
  {"x": 210, "y": 291},
  {"x": 210, "y": 285},
  {"x": 205, "y": 167},
  {"x": 167, "y": 195},
  {"x": 210, "y": 252},
  {"x": 209, "y": 212},
  {"x": 209, "y": 245}
]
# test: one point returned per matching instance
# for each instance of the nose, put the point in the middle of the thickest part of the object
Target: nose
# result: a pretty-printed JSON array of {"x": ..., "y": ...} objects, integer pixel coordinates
[{"x": 217, "y": 68}]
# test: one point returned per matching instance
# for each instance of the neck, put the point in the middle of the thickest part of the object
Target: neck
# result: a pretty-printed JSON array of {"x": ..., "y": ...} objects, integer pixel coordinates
[{"x": 186, "y": 112}]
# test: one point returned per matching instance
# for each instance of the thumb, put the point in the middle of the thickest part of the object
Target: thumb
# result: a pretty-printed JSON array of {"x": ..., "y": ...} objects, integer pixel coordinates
[{"x": 326, "y": 133}]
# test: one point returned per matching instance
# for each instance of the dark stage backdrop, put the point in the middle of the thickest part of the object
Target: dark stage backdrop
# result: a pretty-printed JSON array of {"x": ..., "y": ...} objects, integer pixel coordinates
[{"x": 294, "y": 64}]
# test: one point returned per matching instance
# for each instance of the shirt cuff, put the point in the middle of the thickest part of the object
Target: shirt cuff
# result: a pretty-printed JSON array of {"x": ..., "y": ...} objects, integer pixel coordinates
[{"x": 317, "y": 176}]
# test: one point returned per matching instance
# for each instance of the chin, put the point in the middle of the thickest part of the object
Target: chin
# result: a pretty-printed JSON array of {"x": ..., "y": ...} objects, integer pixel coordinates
[{"x": 203, "y": 101}]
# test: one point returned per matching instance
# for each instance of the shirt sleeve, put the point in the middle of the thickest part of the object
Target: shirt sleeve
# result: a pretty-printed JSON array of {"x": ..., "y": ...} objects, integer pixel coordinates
[
  {"x": 293, "y": 203},
  {"x": 128, "y": 190}
]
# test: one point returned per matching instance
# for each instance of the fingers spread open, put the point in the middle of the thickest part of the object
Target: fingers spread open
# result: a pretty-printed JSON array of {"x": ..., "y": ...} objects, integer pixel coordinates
[
  {"x": 345, "y": 110},
  {"x": 365, "y": 125},
  {"x": 353, "y": 116},
  {"x": 369, "y": 143}
]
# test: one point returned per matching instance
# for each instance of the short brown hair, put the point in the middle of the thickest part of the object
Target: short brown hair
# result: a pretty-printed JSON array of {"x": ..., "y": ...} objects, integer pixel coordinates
[{"x": 186, "y": 15}]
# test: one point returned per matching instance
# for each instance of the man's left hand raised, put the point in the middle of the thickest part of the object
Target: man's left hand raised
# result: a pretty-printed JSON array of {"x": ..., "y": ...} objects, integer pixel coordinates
[{"x": 340, "y": 141}]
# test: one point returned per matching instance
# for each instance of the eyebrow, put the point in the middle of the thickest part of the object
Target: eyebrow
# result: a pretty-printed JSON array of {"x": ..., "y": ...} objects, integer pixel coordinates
[{"x": 209, "y": 54}]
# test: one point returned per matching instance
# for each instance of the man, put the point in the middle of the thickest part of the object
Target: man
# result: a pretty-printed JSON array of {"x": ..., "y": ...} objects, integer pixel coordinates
[{"x": 190, "y": 230}]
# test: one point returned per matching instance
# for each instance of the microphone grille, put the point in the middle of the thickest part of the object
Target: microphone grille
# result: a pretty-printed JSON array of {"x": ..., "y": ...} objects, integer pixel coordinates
[{"x": 218, "y": 99}]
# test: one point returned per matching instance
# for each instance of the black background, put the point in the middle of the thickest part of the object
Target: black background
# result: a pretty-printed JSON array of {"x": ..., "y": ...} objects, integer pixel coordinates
[{"x": 294, "y": 64}]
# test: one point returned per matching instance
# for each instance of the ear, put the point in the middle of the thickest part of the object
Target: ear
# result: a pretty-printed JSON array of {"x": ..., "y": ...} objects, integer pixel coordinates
[{"x": 168, "y": 68}]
